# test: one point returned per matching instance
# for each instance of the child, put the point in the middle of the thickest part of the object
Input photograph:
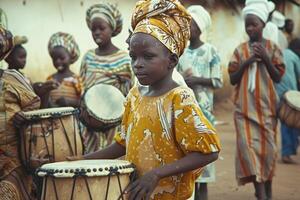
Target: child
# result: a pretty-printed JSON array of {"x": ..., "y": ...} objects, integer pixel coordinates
[
  {"x": 64, "y": 51},
  {"x": 254, "y": 68},
  {"x": 17, "y": 57},
  {"x": 106, "y": 64},
  {"x": 164, "y": 133},
  {"x": 15, "y": 95},
  {"x": 200, "y": 66},
  {"x": 290, "y": 81},
  {"x": 288, "y": 29}
]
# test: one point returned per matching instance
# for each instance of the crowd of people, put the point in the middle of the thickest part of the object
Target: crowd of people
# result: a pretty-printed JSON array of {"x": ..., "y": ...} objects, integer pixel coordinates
[{"x": 168, "y": 77}]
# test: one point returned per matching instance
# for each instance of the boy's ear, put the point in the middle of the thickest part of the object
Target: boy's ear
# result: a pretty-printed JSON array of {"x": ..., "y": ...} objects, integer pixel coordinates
[{"x": 173, "y": 60}]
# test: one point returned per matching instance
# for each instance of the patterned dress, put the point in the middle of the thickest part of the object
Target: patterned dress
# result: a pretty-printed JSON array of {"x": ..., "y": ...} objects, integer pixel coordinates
[
  {"x": 15, "y": 95},
  {"x": 70, "y": 88},
  {"x": 255, "y": 116},
  {"x": 160, "y": 130},
  {"x": 204, "y": 62},
  {"x": 114, "y": 69}
]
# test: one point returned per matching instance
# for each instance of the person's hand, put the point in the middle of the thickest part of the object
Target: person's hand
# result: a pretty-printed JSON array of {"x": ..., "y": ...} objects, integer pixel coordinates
[
  {"x": 19, "y": 119},
  {"x": 43, "y": 88},
  {"x": 74, "y": 158},
  {"x": 143, "y": 187},
  {"x": 260, "y": 52},
  {"x": 191, "y": 81},
  {"x": 61, "y": 101}
]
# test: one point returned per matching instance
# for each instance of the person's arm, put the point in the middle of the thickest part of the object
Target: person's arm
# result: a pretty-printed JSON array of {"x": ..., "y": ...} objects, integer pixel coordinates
[
  {"x": 192, "y": 81},
  {"x": 261, "y": 52},
  {"x": 144, "y": 186},
  {"x": 113, "y": 151}
]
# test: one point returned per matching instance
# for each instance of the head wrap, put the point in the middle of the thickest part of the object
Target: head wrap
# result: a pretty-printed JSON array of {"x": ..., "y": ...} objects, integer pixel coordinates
[
  {"x": 19, "y": 40},
  {"x": 67, "y": 41},
  {"x": 6, "y": 42},
  {"x": 166, "y": 20},
  {"x": 260, "y": 8},
  {"x": 201, "y": 17},
  {"x": 278, "y": 19},
  {"x": 108, "y": 12}
]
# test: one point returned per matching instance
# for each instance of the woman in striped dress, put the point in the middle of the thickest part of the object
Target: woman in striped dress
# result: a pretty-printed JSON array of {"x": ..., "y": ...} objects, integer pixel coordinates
[
  {"x": 106, "y": 64},
  {"x": 254, "y": 68}
]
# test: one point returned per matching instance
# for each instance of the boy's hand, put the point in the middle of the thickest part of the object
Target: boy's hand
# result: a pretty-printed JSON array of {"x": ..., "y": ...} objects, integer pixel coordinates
[
  {"x": 61, "y": 101},
  {"x": 260, "y": 51},
  {"x": 143, "y": 187},
  {"x": 191, "y": 81},
  {"x": 74, "y": 158},
  {"x": 19, "y": 119}
]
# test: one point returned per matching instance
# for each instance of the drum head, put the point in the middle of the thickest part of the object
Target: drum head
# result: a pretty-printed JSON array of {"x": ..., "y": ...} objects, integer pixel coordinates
[
  {"x": 293, "y": 99},
  {"x": 105, "y": 102},
  {"x": 85, "y": 167},
  {"x": 50, "y": 112}
]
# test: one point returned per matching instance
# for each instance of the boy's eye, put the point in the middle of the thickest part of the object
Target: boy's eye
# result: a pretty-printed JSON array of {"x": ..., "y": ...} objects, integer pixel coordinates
[
  {"x": 149, "y": 56},
  {"x": 133, "y": 57}
]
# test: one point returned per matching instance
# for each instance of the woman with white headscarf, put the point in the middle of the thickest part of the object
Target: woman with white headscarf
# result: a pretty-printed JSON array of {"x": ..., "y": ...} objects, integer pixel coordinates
[
  {"x": 255, "y": 67},
  {"x": 201, "y": 68}
]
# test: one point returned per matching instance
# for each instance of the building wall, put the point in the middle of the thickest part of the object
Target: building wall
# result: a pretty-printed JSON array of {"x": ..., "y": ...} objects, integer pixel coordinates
[{"x": 38, "y": 19}]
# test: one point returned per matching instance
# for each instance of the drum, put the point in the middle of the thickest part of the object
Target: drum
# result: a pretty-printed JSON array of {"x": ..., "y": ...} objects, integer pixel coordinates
[
  {"x": 102, "y": 107},
  {"x": 50, "y": 135},
  {"x": 289, "y": 111},
  {"x": 85, "y": 179}
]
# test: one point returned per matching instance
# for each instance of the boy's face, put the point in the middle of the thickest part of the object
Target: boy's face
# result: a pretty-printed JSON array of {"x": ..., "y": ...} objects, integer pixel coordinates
[
  {"x": 19, "y": 58},
  {"x": 151, "y": 60},
  {"x": 101, "y": 31},
  {"x": 195, "y": 30},
  {"x": 289, "y": 27},
  {"x": 254, "y": 27},
  {"x": 61, "y": 58}
]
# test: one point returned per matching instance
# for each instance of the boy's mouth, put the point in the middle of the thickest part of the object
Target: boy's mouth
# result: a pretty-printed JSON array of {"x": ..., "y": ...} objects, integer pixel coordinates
[
  {"x": 60, "y": 68},
  {"x": 98, "y": 40}
]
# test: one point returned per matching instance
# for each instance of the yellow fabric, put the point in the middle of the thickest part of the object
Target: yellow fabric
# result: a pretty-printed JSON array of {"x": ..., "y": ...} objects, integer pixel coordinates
[
  {"x": 166, "y": 20},
  {"x": 160, "y": 130}
]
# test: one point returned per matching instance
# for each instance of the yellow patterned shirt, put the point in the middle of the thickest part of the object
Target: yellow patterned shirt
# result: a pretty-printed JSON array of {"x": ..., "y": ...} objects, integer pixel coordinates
[{"x": 160, "y": 130}]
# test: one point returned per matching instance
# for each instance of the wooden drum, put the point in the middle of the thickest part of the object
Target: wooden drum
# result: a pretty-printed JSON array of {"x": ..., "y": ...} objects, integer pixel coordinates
[
  {"x": 289, "y": 111},
  {"x": 102, "y": 107},
  {"x": 85, "y": 179},
  {"x": 50, "y": 134}
]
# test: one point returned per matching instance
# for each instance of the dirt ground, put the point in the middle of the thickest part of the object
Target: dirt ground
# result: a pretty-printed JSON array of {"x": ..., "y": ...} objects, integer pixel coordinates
[{"x": 285, "y": 184}]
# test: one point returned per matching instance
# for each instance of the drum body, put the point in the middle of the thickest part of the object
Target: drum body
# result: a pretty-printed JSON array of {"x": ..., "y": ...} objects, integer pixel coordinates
[
  {"x": 85, "y": 179},
  {"x": 102, "y": 107},
  {"x": 289, "y": 111},
  {"x": 51, "y": 134}
]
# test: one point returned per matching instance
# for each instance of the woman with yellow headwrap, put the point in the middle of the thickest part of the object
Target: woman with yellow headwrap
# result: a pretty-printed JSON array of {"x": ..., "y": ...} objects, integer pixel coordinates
[
  {"x": 15, "y": 95},
  {"x": 64, "y": 51},
  {"x": 164, "y": 133},
  {"x": 106, "y": 64}
]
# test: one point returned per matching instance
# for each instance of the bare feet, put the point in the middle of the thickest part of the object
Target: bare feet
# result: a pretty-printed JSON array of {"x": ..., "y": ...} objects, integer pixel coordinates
[{"x": 288, "y": 160}]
